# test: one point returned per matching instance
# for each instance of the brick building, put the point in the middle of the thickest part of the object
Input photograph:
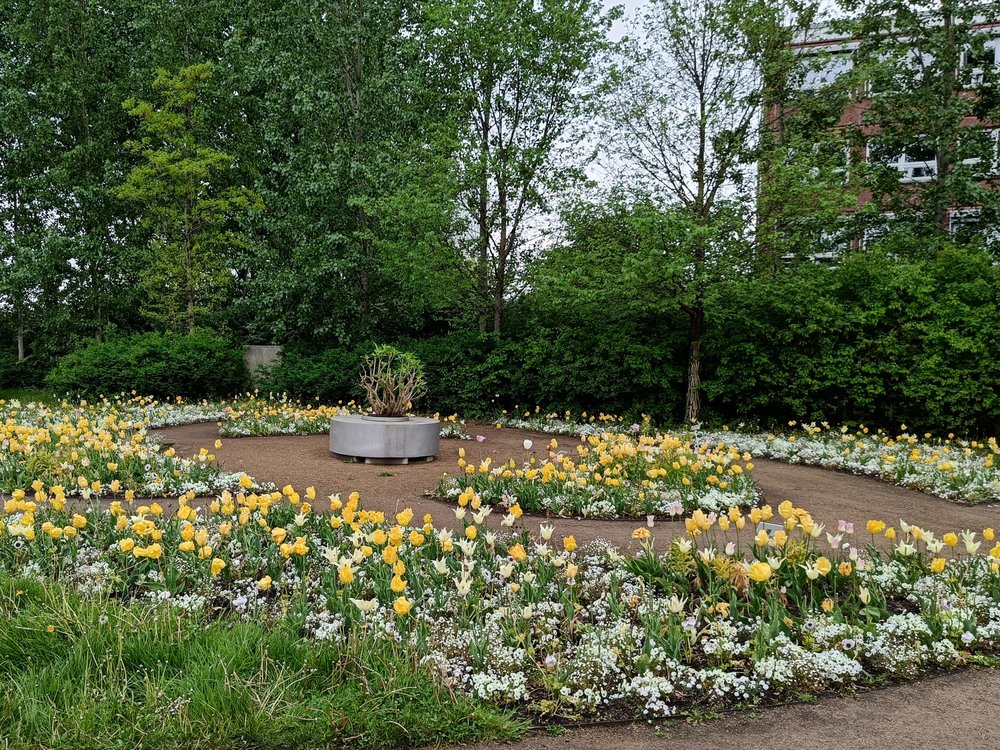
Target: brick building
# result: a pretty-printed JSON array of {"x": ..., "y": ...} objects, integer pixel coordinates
[{"x": 829, "y": 56}]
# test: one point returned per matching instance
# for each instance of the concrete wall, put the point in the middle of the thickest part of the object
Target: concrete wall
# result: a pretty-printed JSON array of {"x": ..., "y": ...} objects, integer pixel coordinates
[{"x": 257, "y": 356}]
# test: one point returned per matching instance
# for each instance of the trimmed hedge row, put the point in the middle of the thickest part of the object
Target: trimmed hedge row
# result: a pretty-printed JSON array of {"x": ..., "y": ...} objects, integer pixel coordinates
[
  {"x": 199, "y": 365},
  {"x": 876, "y": 339}
]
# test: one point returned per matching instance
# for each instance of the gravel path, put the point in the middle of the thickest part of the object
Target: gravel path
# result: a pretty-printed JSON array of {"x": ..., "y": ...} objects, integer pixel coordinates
[
  {"x": 953, "y": 712},
  {"x": 956, "y": 712},
  {"x": 305, "y": 460}
]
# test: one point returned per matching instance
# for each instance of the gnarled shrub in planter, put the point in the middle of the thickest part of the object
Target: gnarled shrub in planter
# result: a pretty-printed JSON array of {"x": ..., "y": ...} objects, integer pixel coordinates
[{"x": 392, "y": 380}]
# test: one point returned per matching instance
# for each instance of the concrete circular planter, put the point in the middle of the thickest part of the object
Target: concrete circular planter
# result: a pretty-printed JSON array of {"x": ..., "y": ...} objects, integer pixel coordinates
[{"x": 389, "y": 440}]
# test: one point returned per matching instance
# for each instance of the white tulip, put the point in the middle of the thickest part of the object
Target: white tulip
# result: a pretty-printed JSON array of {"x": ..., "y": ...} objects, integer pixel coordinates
[{"x": 365, "y": 605}]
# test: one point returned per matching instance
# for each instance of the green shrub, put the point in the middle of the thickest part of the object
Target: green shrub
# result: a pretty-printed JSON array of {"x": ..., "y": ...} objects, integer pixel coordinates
[
  {"x": 330, "y": 375},
  {"x": 628, "y": 366},
  {"x": 467, "y": 373},
  {"x": 879, "y": 340},
  {"x": 14, "y": 374},
  {"x": 199, "y": 365}
]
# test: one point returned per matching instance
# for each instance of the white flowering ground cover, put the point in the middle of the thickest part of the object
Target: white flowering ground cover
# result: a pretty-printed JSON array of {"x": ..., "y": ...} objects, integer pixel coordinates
[
  {"x": 567, "y": 423},
  {"x": 949, "y": 467},
  {"x": 611, "y": 475}
]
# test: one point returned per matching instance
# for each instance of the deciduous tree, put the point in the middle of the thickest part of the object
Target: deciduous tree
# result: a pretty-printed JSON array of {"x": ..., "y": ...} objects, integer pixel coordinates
[{"x": 180, "y": 183}]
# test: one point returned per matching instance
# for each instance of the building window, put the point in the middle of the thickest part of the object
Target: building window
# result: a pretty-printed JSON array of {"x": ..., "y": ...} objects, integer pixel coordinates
[
  {"x": 823, "y": 68},
  {"x": 916, "y": 163},
  {"x": 980, "y": 60},
  {"x": 977, "y": 144},
  {"x": 879, "y": 230},
  {"x": 963, "y": 221}
]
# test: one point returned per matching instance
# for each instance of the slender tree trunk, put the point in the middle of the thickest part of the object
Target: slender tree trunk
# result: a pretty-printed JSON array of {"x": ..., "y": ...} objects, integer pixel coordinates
[
  {"x": 945, "y": 156},
  {"x": 692, "y": 403},
  {"x": 98, "y": 313},
  {"x": 497, "y": 310},
  {"x": 483, "y": 261},
  {"x": 503, "y": 254},
  {"x": 190, "y": 293},
  {"x": 482, "y": 209},
  {"x": 20, "y": 343}
]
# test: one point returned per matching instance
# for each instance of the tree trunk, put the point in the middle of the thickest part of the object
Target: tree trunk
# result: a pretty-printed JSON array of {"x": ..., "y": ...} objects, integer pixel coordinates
[
  {"x": 497, "y": 311},
  {"x": 20, "y": 344},
  {"x": 482, "y": 274},
  {"x": 692, "y": 403},
  {"x": 483, "y": 261},
  {"x": 945, "y": 156}
]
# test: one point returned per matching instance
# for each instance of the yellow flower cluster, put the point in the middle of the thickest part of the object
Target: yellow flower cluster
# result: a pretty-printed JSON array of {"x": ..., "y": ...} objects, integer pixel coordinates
[{"x": 636, "y": 475}]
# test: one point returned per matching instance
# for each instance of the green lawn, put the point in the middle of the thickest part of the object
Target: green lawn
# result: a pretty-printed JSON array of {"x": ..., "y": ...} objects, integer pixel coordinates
[
  {"x": 80, "y": 673},
  {"x": 24, "y": 395}
]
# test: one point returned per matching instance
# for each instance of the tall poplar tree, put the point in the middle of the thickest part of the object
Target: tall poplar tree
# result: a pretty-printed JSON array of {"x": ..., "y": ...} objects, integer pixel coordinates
[{"x": 190, "y": 210}]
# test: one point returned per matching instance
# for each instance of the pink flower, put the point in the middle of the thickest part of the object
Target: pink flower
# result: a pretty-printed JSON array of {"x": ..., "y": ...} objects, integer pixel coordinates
[{"x": 480, "y": 438}]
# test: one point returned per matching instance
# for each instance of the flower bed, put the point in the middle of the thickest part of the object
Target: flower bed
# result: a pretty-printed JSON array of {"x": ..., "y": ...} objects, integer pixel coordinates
[
  {"x": 103, "y": 449},
  {"x": 949, "y": 467},
  {"x": 567, "y": 423},
  {"x": 257, "y": 416},
  {"x": 613, "y": 475},
  {"x": 539, "y": 623}
]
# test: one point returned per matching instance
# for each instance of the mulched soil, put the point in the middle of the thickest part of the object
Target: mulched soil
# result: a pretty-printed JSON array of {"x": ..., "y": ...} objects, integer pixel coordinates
[{"x": 958, "y": 711}]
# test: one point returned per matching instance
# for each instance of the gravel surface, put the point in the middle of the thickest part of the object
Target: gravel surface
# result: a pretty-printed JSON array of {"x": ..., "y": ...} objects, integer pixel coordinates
[{"x": 956, "y": 712}]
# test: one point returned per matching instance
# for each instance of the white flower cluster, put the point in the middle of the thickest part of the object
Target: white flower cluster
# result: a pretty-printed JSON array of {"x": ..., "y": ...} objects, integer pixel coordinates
[{"x": 948, "y": 468}]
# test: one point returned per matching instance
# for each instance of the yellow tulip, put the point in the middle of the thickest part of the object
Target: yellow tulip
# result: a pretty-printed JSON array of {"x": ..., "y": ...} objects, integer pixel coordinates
[
  {"x": 823, "y": 565},
  {"x": 875, "y": 527},
  {"x": 759, "y": 571},
  {"x": 345, "y": 575}
]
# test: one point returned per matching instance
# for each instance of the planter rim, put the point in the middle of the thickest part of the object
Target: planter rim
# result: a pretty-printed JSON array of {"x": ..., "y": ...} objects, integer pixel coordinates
[{"x": 373, "y": 418}]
